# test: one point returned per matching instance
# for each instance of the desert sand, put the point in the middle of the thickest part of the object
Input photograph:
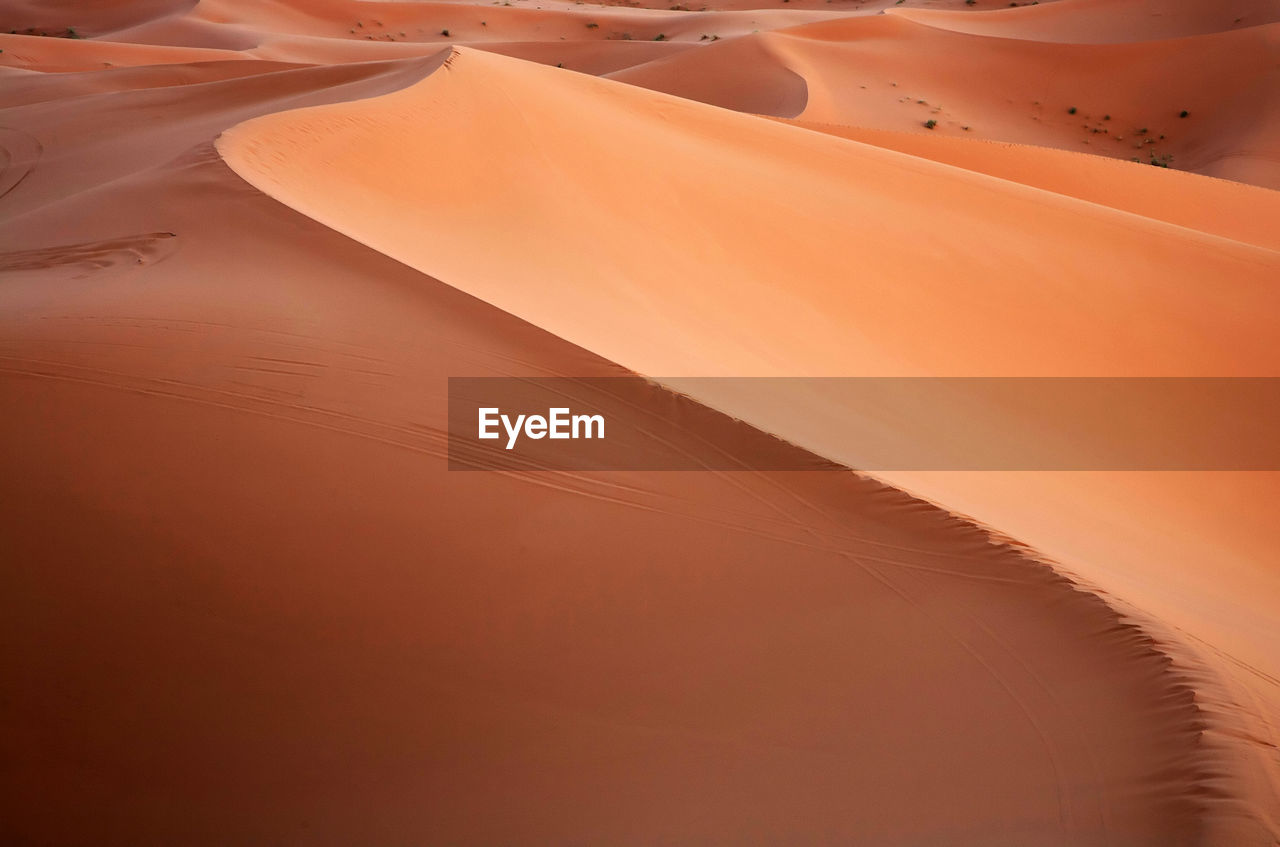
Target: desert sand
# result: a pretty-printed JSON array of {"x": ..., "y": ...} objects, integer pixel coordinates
[{"x": 244, "y": 245}]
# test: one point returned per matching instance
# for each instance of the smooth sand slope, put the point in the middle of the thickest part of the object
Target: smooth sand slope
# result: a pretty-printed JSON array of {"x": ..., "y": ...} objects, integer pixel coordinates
[
  {"x": 247, "y": 603},
  {"x": 938, "y": 271},
  {"x": 851, "y": 229},
  {"x": 1230, "y": 209}
]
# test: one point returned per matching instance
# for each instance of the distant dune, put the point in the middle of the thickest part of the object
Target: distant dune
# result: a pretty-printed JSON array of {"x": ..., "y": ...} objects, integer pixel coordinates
[
  {"x": 243, "y": 246},
  {"x": 1121, "y": 100}
]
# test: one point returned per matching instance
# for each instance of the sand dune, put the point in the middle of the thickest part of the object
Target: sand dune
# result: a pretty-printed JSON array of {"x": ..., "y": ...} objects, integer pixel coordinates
[
  {"x": 244, "y": 245},
  {"x": 1118, "y": 100},
  {"x": 55, "y": 17},
  {"x": 61, "y": 55},
  {"x": 1108, "y": 292},
  {"x": 756, "y": 661},
  {"x": 1102, "y": 21},
  {"x": 1232, "y": 210},
  {"x": 372, "y": 23},
  {"x": 680, "y": 161}
]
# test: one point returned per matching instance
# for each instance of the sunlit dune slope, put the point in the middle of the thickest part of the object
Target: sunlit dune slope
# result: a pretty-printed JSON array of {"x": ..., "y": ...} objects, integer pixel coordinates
[
  {"x": 1233, "y": 210},
  {"x": 797, "y": 227},
  {"x": 246, "y": 603}
]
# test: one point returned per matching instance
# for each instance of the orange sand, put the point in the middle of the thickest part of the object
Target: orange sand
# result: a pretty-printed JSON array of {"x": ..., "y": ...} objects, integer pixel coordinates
[{"x": 243, "y": 245}]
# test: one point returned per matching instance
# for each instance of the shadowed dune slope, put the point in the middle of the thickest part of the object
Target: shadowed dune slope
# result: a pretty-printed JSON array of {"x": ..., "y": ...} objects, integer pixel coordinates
[
  {"x": 88, "y": 19},
  {"x": 246, "y": 603}
]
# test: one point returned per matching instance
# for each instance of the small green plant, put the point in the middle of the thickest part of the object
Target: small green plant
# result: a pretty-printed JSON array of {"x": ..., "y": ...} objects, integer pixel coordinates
[
  {"x": 1071, "y": 111},
  {"x": 659, "y": 37},
  {"x": 1183, "y": 113},
  {"x": 930, "y": 124}
]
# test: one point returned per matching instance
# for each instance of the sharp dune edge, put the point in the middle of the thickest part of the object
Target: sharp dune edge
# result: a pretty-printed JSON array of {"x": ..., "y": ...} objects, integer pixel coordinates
[{"x": 244, "y": 245}]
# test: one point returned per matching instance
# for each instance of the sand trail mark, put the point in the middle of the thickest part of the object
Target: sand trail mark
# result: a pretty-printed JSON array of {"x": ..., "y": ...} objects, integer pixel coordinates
[
  {"x": 19, "y": 153},
  {"x": 144, "y": 249}
]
